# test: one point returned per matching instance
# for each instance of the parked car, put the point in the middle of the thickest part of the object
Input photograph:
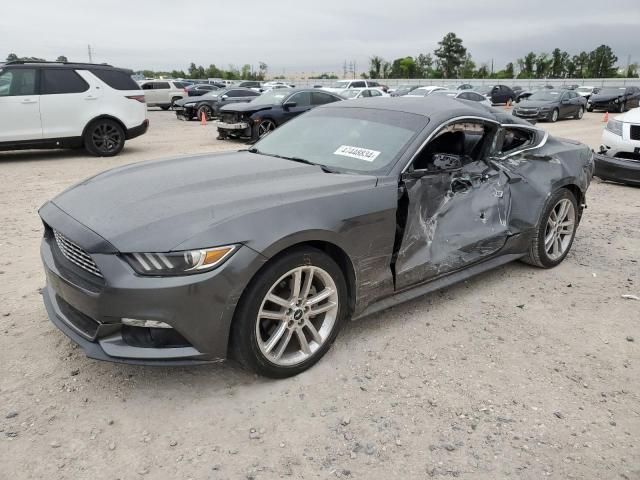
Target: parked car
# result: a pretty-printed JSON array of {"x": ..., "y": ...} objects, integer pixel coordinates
[
  {"x": 497, "y": 93},
  {"x": 200, "y": 89},
  {"x": 340, "y": 85},
  {"x": 423, "y": 91},
  {"x": 252, "y": 84},
  {"x": 464, "y": 86},
  {"x": 210, "y": 103},
  {"x": 353, "y": 93},
  {"x": 464, "y": 95},
  {"x": 614, "y": 99},
  {"x": 268, "y": 111},
  {"x": 264, "y": 254},
  {"x": 163, "y": 93},
  {"x": 402, "y": 90},
  {"x": 586, "y": 91},
  {"x": 619, "y": 155},
  {"x": 551, "y": 105},
  {"x": 69, "y": 105}
]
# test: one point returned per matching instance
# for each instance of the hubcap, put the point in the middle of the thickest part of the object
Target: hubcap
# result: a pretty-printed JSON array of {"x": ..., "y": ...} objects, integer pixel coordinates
[
  {"x": 580, "y": 113},
  {"x": 297, "y": 315},
  {"x": 554, "y": 116},
  {"x": 265, "y": 127},
  {"x": 559, "y": 230},
  {"x": 106, "y": 138}
]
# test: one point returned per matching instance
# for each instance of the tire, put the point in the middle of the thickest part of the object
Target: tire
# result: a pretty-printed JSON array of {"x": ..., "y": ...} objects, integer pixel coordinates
[
  {"x": 206, "y": 109},
  {"x": 622, "y": 107},
  {"x": 539, "y": 253},
  {"x": 553, "y": 117},
  {"x": 174, "y": 100},
  {"x": 579, "y": 114},
  {"x": 589, "y": 108},
  {"x": 265, "y": 127},
  {"x": 273, "y": 347},
  {"x": 165, "y": 107},
  {"x": 104, "y": 138}
]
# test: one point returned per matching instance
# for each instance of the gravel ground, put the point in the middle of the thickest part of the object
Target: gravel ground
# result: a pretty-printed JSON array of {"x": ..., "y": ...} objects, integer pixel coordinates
[{"x": 518, "y": 373}]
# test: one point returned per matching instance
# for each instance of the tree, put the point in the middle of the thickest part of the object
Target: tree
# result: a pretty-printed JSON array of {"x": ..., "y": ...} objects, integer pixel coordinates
[
  {"x": 602, "y": 62},
  {"x": 483, "y": 71},
  {"x": 468, "y": 67},
  {"x": 632, "y": 70},
  {"x": 424, "y": 65},
  {"x": 193, "y": 70},
  {"x": 262, "y": 70},
  {"x": 581, "y": 64},
  {"x": 375, "y": 66},
  {"x": 558, "y": 59},
  {"x": 527, "y": 65},
  {"x": 246, "y": 71},
  {"x": 62, "y": 58},
  {"x": 451, "y": 54},
  {"x": 543, "y": 65},
  {"x": 12, "y": 57}
]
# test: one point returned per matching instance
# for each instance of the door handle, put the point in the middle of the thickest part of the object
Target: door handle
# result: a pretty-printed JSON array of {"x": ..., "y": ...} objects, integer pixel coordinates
[
  {"x": 90, "y": 97},
  {"x": 29, "y": 100}
]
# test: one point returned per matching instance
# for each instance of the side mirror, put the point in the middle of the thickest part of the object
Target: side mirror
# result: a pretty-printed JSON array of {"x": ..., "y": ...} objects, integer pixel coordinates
[
  {"x": 288, "y": 105},
  {"x": 224, "y": 97},
  {"x": 444, "y": 162}
]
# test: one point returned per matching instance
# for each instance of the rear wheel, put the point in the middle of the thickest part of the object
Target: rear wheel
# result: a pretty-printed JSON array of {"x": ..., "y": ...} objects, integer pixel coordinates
[
  {"x": 174, "y": 100},
  {"x": 553, "y": 118},
  {"x": 579, "y": 114},
  {"x": 622, "y": 107},
  {"x": 104, "y": 138},
  {"x": 555, "y": 231},
  {"x": 206, "y": 110},
  {"x": 290, "y": 314}
]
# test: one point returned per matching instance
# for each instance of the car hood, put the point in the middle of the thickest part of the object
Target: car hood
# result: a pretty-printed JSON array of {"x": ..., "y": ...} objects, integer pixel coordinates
[
  {"x": 245, "y": 107},
  {"x": 598, "y": 97},
  {"x": 159, "y": 206},
  {"x": 537, "y": 103},
  {"x": 632, "y": 116},
  {"x": 195, "y": 99}
]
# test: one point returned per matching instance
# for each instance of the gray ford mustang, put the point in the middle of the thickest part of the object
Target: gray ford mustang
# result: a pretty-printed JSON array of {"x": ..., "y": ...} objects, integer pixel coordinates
[{"x": 262, "y": 254}]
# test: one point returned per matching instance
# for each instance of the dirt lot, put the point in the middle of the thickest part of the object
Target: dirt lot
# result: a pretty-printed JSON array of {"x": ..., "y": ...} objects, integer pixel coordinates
[{"x": 518, "y": 373}]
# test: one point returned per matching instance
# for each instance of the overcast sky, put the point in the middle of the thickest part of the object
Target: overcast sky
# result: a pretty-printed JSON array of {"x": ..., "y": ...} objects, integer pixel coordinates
[{"x": 303, "y": 36}]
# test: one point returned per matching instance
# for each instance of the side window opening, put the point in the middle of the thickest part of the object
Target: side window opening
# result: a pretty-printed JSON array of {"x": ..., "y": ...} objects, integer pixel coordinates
[
  {"x": 467, "y": 141},
  {"x": 514, "y": 139}
]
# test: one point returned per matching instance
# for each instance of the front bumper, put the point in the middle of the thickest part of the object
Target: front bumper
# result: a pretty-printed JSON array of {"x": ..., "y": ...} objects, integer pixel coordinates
[
  {"x": 232, "y": 126},
  {"x": 139, "y": 130},
  {"x": 620, "y": 170},
  {"x": 531, "y": 114},
  {"x": 89, "y": 310},
  {"x": 608, "y": 106}
]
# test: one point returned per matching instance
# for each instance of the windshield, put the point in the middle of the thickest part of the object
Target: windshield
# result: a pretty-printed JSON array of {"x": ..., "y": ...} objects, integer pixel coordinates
[
  {"x": 418, "y": 92},
  {"x": 612, "y": 91},
  {"x": 214, "y": 93},
  {"x": 272, "y": 97},
  {"x": 545, "y": 95},
  {"x": 341, "y": 84},
  {"x": 350, "y": 93},
  {"x": 583, "y": 89},
  {"x": 483, "y": 90},
  {"x": 450, "y": 93},
  {"x": 359, "y": 140}
]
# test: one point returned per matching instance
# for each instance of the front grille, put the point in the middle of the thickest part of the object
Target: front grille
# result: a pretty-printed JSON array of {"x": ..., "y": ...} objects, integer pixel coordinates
[
  {"x": 76, "y": 255},
  {"x": 634, "y": 132}
]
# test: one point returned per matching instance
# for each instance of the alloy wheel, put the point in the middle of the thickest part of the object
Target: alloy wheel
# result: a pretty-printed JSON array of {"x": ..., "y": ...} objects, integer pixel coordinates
[
  {"x": 559, "y": 229},
  {"x": 554, "y": 116},
  {"x": 580, "y": 113},
  {"x": 106, "y": 138},
  {"x": 297, "y": 315},
  {"x": 265, "y": 127}
]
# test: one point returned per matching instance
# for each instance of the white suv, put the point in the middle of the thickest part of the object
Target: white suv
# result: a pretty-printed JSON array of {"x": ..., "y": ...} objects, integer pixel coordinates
[
  {"x": 163, "y": 93},
  {"x": 340, "y": 85},
  {"x": 69, "y": 105}
]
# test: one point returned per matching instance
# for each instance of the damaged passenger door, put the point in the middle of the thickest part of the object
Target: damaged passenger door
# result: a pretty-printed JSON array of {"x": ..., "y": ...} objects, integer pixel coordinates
[{"x": 454, "y": 204}]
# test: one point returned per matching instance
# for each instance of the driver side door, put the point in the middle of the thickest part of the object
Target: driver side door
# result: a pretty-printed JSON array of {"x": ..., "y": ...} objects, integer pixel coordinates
[{"x": 455, "y": 212}]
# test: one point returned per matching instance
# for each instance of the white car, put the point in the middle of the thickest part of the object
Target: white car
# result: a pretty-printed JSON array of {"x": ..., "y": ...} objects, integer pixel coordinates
[
  {"x": 340, "y": 85},
  {"x": 352, "y": 93},
  {"x": 464, "y": 95},
  {"x": 586, "y": 91},
  {"x": 69, "y": 105},
  {"x": 424, "y": 91},
  {"x": 621, "y": 136},
  {"x": 163, "y": 93}
]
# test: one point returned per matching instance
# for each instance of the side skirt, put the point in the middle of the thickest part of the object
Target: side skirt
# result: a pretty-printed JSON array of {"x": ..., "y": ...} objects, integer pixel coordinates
[{"x": 438, "y": 284}]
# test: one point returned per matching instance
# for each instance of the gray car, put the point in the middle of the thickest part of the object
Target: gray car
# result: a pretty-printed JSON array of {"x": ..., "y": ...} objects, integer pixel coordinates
[
  {"x": 263, "y": 254},
  {"x": 551, "y": 105}
]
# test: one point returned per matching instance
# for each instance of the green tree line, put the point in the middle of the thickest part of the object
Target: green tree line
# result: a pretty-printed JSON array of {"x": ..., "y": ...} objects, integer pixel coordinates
[{"x": 452, "y": 60}]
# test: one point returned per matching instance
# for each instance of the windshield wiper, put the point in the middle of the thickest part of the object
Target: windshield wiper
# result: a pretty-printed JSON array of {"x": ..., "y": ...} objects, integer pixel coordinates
[{"x": 295, "y": 159}]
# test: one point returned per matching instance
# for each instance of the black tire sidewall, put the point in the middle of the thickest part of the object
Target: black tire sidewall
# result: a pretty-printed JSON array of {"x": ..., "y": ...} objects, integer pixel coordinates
[
  {"x": 552, "y": 202},
  {"x": 206, "y": 109},
  {"x": 88, "y": 140},
  {"x": 244, "y": 344}
]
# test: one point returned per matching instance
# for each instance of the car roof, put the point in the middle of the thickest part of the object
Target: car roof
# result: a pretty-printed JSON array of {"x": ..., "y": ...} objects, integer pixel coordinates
[{"x": 63, "y": 65}]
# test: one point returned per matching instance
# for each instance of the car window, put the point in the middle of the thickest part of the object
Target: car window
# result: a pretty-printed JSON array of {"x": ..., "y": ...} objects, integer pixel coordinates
[
  {"x": 302, "y": 99},
  {"x": 514, "y": 139},
  {"x": 181, "y": 84},
  {"x": 366, "y": 93},
  {"x": 235, "y": 93},
  {"x": 161, "y": 85},
  {"x": 57, "y": 81},
  {"x": 373, "y": 84},
  {"x": 147, "y": 86},
  {"x": 375, "y": 93},
  {"x": 116, "y": 79},
  {"x": 358, "y": 84},
  {"x": 464, "y": 96},
  {"x": 319, "y": 98},
  {"x": 17, "y": 82}
]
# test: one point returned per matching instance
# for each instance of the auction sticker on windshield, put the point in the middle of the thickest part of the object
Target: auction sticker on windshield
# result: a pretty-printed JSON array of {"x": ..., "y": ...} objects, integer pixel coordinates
[{"x": 357, "y": 152}]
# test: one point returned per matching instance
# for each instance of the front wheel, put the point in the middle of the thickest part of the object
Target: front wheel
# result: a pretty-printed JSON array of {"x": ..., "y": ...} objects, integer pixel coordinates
[
  {"x": 290, "y": 313},
  {"x": 553, "y": 118},
  {"x": 265, "y": 126},
  {"x": 104, "y": 138},
  {"x": 622, "y": 107},
  {"x": 555, "y": 231},
  {"x": 205, "y": 110}
]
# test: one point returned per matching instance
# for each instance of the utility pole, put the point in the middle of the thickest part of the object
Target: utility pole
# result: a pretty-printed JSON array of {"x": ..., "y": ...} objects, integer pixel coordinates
[
  {"x": 344, "y": 69},
  {"x": 90, "y": 53}
]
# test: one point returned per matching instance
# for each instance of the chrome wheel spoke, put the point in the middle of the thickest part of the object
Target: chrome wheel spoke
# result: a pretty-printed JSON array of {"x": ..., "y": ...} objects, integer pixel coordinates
[
  {"x": 276, "y": 337},
  {"x": 278, "y": 300},
  {"x": 269, "y": 315},
  {"x": 324, "y": 294},
  {"x": 304, "y": 343},
  {"x": 306, "y": 287},
  {"x": 297, "y": 284},
  {"x": 560, "y": 229},
  {"x": 314, "y": 333},
  {"x": 321, "y": 309},
  {"x": 283, "y": 345}
]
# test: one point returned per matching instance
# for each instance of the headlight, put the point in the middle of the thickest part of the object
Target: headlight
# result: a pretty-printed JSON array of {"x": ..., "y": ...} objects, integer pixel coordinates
[
  {"x": 545, "y": 109},
  {"x": 615, "y": 127},
  {"x": 179, "y": 263},
  {"x": 616, "y": 100}
]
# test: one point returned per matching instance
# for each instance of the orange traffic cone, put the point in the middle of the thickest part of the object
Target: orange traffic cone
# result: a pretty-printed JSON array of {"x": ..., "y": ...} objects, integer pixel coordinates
[
  {"x": 203, "y": 119},
  {"x": 605, "y": 119}
]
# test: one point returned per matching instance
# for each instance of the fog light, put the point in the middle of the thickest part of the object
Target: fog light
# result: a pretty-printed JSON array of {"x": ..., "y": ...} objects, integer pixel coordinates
[{"x": 134, "y": 322}]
